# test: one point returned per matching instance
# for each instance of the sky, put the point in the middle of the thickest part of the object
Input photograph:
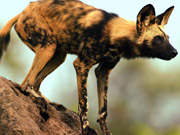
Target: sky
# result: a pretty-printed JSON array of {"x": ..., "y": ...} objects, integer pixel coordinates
[{"x": 127, "y": 9}]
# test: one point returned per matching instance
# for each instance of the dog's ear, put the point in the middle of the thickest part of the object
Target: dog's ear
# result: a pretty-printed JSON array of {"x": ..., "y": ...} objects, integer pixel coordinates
[
  {"x": 163, "y": 18},
  {"x": 145, "y": 18}
]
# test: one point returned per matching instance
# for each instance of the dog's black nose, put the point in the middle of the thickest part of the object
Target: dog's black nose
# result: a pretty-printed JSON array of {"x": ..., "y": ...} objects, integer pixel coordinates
[{"x": 174, "y": 53}]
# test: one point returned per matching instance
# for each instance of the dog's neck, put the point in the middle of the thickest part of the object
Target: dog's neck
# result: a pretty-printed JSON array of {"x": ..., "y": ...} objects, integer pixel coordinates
[
  {"x": 123, "y": 35},
  {"x": 120, "y": 28}
]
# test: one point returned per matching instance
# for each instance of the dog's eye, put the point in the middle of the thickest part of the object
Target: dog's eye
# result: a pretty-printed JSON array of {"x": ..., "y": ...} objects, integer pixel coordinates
[{"x": 158, "y": 38}]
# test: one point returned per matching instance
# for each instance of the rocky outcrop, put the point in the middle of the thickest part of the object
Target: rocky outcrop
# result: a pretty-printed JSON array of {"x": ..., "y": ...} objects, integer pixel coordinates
[{"x": 22, "y": 115}]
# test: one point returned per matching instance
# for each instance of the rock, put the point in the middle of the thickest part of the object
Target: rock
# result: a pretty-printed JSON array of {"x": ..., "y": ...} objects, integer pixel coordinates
[{"x": 21, "y": 115}]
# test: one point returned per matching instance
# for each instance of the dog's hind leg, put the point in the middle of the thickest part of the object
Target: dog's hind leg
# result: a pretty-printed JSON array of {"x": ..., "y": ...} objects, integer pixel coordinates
[
  {"x": 38, "y": 36},
  {"x": 42, "y": 57},
  {"x": 51, "y": 65}
]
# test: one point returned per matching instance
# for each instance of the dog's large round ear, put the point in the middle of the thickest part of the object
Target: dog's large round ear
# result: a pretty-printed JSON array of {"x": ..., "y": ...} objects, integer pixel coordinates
[
  {"x": 163, "y": 18},
  {"x": 145, "y": 18}
]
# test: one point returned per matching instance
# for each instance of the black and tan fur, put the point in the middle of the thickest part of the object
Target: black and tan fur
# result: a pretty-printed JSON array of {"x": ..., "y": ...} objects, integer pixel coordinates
[{"x": 54, "y": 28}]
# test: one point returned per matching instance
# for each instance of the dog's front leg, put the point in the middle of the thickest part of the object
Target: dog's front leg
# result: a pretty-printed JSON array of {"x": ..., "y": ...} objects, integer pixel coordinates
[
  {"x": 102, "y": 74},
  {"x": 82, "y": 70}
]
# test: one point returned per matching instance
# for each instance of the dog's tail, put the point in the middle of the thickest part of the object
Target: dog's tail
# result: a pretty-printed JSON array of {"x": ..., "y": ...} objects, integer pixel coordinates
[{"x": 5, "y": 35}]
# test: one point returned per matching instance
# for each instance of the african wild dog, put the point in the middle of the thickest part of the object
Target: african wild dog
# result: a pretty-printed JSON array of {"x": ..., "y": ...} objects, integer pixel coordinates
[{"x": 54, "y": 28}]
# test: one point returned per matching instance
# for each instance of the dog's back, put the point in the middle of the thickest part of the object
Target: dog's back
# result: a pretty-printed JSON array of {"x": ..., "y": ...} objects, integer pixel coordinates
[{"x": 71, "y": 22}]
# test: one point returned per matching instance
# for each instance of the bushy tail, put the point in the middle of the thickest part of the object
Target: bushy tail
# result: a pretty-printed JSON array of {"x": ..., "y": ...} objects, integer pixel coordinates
[{"x": 5, "y": 35}]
